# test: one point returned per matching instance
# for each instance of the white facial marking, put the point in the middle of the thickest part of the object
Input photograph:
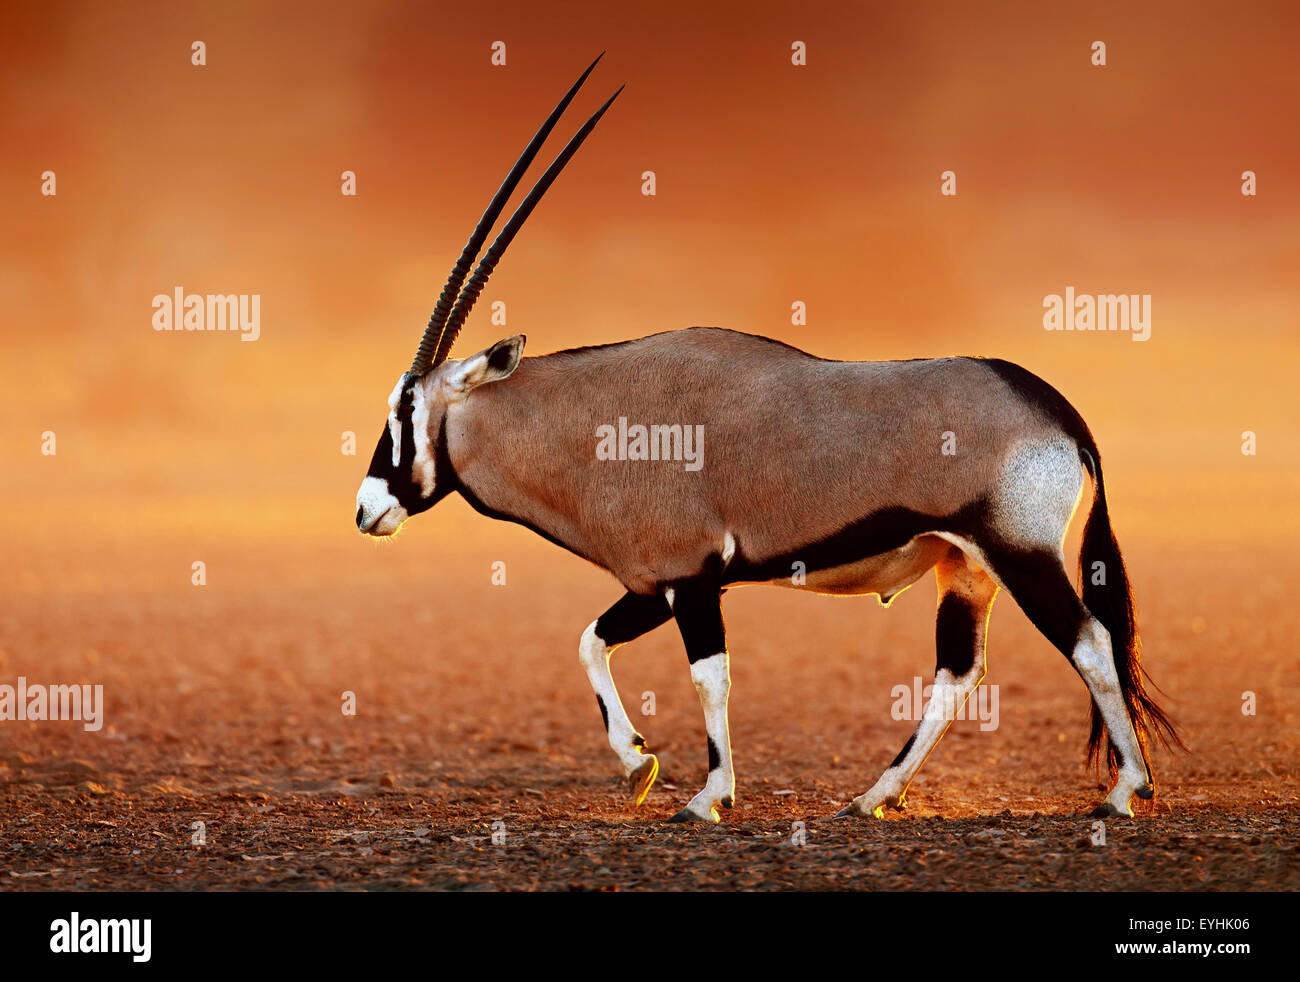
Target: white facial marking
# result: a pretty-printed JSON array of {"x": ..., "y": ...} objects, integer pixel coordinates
[
  {"x": 395, "y": 397},
  {"x": 465, "y": 375},
  {"x": 422, "y": 471},
  {"x": 381, "y": 513},
  {"x": 394, "y": 425}
]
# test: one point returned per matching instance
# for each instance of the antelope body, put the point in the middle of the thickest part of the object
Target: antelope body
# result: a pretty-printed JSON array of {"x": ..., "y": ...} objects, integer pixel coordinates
[{"x": 862, "y": 475}]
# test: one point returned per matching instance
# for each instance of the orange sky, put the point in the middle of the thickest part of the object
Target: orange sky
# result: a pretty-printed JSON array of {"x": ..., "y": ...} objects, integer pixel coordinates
[{"x": 775, "y": 184}]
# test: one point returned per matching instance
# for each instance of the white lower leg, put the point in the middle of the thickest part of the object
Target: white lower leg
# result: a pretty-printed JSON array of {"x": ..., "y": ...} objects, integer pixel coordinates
[
  {"x": 1093, "y": 657},
  {"x": 947, "y": 698},
  {"x": 712, "y": 678},
  {"x": 594, "y": 654}
]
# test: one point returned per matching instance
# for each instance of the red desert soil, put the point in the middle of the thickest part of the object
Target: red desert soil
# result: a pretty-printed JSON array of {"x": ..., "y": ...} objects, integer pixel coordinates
[{"x": 474, "y": 717}]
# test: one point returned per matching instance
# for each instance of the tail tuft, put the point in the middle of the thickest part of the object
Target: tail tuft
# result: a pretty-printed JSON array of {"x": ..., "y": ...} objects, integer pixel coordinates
[{"x": 1104, "y": 586}]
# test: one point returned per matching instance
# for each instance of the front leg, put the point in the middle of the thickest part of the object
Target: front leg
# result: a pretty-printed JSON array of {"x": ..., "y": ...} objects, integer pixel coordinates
[
  {"x": 631, "y": 617},
  {"x": 697, "y": 607}
]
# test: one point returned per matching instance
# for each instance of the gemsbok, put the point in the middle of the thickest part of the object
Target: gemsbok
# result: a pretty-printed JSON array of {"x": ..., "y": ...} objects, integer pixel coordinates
[{"x": 834, "y": 465}]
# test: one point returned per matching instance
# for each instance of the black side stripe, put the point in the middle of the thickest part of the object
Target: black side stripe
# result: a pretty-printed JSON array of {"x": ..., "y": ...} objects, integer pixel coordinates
[{"x": 875, "y": 533}]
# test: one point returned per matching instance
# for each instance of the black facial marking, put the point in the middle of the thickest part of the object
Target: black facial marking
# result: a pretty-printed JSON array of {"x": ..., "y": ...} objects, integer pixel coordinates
[
  {"x": 955, "y": 636},
  {"x": 400, "y": 479},
  {"x": 444, "y": 475}
]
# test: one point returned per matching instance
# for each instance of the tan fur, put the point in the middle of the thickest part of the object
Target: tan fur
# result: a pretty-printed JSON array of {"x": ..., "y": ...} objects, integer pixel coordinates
[{"x": 795, "y": 447}]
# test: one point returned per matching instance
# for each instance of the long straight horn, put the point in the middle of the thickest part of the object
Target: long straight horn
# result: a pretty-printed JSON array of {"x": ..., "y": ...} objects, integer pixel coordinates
[
  {"x": 433, "y": 332},
  {"x": 493, "y": 256}
]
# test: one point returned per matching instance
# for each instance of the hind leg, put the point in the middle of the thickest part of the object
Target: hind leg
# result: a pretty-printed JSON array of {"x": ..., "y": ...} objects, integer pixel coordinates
[
  {"x": 1042, "y": 588},
  {"x": 697, "y": 608},
  {"x": 966, "y": 595},
  {"x": 633, "y": 616}
]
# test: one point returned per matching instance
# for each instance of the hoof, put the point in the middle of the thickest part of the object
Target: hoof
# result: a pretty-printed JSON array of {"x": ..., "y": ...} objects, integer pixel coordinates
[
  {"x": 686, "y": 815},
  {"x": 1146, "y": 792},
  {"x": 854, "y": 810},
  {"x": 727, "y": 802},
  {"x": 640, "y": 780},
  {"x": 1107, "y": 810}
]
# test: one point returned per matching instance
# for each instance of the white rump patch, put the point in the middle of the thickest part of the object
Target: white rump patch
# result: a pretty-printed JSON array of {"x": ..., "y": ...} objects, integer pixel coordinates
[{"x": 1037, "y": 492}]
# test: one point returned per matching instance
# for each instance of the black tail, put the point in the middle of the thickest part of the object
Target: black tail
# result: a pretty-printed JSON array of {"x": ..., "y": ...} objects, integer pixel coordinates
[{"x": 1107, "y": 594}]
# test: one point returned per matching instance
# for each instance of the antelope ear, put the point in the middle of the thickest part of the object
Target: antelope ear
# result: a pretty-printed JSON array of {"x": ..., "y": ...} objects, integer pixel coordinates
[{"x": 492, "y": 365}]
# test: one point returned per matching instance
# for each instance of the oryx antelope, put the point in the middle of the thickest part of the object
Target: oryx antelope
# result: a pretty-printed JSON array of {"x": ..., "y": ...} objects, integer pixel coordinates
[{"x": 835, "y": 465}]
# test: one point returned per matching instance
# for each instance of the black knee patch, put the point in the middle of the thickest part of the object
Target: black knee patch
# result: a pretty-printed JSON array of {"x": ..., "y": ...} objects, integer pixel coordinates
[
  {"x": 699, "y": 618},
  {"x": 632, "y": 616},
  {"x": 955, "y": 635},
  {"x": 604, "y": 713},
  {"x": 715, "y": 758}
]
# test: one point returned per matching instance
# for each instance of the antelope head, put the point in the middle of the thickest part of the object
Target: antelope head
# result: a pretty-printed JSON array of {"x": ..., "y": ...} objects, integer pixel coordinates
[{"x": 410, "y": 471}]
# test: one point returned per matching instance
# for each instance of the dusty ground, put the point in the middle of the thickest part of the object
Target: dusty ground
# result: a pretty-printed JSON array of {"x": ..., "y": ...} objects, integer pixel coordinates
[{"x": 473, "y": 716}]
